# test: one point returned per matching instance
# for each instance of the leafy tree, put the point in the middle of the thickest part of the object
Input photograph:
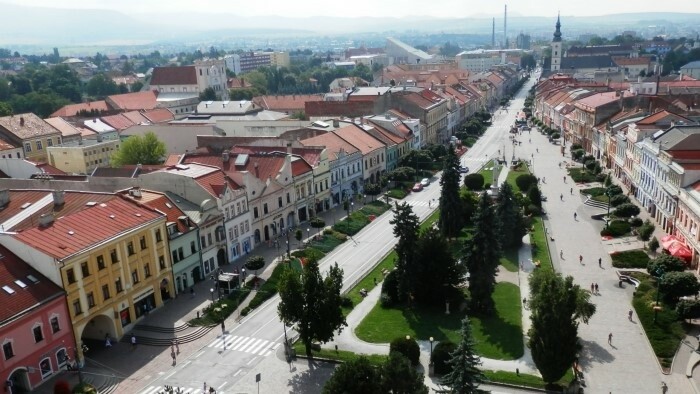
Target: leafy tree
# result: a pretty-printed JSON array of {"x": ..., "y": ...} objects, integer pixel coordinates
[
  {"x": 399, "y": 376},
  {"x": 450, "y": 221},
  {"x": 402, "y": 174},
  {"x": 525, "y": 181},
  {"x": 298, "y": 235},
  {"x": 688, "y": 309},
  {"x": 207, "y": 95},
  {"x": 356, "y": 376},
  {"x": 5, "y": 109},
  {"x": 136, "y": 149},
  {"x": 556, "y": 304},
  {"x": 406, "y": 226},
  {"x": 136, "y": 86},
  {"x": 372, "y": 189},
  {"x": 626, "y": 210},
  {"x": 440, "y": 274},
  {"x": 312, "y": 303},
  {"x": 675, "y": 285},
  {"x": 482, "y": 251},
  {"x": 535, "y": 196},
  {"x": 414, "y": 158},
  {"x": 665, "y": 263},
  {"x": 5, "y": 90},
  {"x": 464, "y": 376},
  {"x": 254, "y": 263},
  {"x": 101, "y": 86},
  {"x": 512, "y": 226},
  {"x": 619, "y": 199},
  {"x": 406, "y": 346},
  {"x": 646, "y": 230},
  {"x": 474, "y": 181},
  {"x": 441, "y": 356},
  {"x": 469, "y": 201},
  {"x": 653, "y": 244}
]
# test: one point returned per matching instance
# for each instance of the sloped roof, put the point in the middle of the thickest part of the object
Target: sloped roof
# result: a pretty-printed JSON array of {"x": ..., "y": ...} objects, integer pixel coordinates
[
  {"x": 136, "y": 117},
  {"x": 158, "y": 115},
  {"x": 262, "y": 166},
  {"x": 695, "y": 64},
  {"x": 119, "y": 121},
  {"x": 333, "y": 143},
  {"x": 359, "y": 138},
  {"x": 91, "y": 225},
  {"x": 33, "y": 295},
  {"x": 66, "y": 129},
  {"x": 133, "y": 101},
  {"x": 578, "y": 62},
  {"x": 294, "y": 102},
  {"x": 185, "y": 75},
  {"x": 26, "y": 126},
  {"x": 73, "y": 109},
  {"x": 161, "y": 202}
]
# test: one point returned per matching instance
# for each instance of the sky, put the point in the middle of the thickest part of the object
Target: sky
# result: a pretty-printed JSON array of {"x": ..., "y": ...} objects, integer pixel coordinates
[{"x": 396, "y": 8}]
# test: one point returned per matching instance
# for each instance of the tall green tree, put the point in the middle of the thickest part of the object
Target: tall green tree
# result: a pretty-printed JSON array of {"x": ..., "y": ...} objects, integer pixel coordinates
[
  {"x": 464, "y": 376},
  {"x": 101, "y": 86},
  {"x": 482, "y": 251},
  {"x": 208, "y": 95},
  {"x": 511, "y": 222},
  {"x": 399, "y": 376},
  {"x": 450, "y": 221},
  {"x": 556, "y": 304},
  {"x": 440, "y": 274},
  {"x": 357, "y": 376},
  {"x": 136, "y": 149},
  {"x": 406, "y": 227},
  {"x": 312, "y": 303}
]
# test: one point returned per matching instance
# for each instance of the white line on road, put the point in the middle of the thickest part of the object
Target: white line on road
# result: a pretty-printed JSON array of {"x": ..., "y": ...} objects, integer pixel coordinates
[
  {"x": 221, "y": 387},
  {"x": 253, "y": 359},
  {"x": 198, "y": 354},
  {"x": 171, "y": 374},
  {"x": 237, "y": 372}
]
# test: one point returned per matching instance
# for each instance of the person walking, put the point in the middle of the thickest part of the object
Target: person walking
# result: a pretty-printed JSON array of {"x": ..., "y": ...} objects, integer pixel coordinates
[
  {"x": 177, "y": 346},
  {"x": 600, "y": 262},
  {"x": 592, "y": 288},
  {"x": 575, "y": 216},
  {"x": 192, "y": 292},
  {"x": 172, "y": 354},
  {"x": 610, "y": 339},
  {"x": 561, "y": 254},
  {"x": 133, "y": 342},
  {"x": 565, "y": 179},
  {"x": 580, "y": 259},
  {"x": 596, "y": 288},
  {"x": 561, "y": 196},
  {"x": 205, "y": 384},
  {"x": 108, "y": 340},
  {"x": 571, "y": 191},
  {"x": 629, "y": 315}
]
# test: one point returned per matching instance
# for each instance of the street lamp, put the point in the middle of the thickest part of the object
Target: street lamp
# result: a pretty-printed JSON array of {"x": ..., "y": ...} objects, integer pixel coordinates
[
  {"x": 212, "y": 294},
  {"x": 308, "y": 234},
  {"x": 352, "y": 204},
  {"x": 431, "y": 367},
  {"x": 659, "y": 276},
  {"x": 288, "y": 255},
  {"x": 408, "y": 337}
]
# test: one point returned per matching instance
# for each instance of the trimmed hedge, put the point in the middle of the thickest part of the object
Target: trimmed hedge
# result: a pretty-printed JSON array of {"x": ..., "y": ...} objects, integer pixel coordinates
[
  {"x": 630, "y": 259},
  {"x": 408, "y": 347},
  {"x": 441, "y": 355},
  {"x": 617, "y": 228}
]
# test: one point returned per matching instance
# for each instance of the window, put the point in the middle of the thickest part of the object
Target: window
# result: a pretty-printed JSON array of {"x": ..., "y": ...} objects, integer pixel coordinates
[
  {"x": 7, "y": 350},
  {"x": 288, "y": 199},
  {"x": 130, "y": 248},
  {"x": 238, "y": 208},
  {"x": 142, "y": 241},
  {"x": 161, "y": 262},
  {"x": 105, "y": 292},
  {"x": 118, "y": 285},
  {"x": 135, "y": 276},
  {"x": 193, "y": 247},
  {"x": 175, "y": 259},
  {"x": 55, "y": 327},
  {"x": 27, "y": 147},
  {"x": 77, "y": 308},
  {"x": 91, "y": 300},
  {"x": 246, "y": 226},
  {"x": 279, "y": 201},
  {"x": 209, "y": 241},
  {"x": 147, "y": 270},
  {"x": 265, "y": 209},
  {"x": 181, "y": 253},
  {"x": 100, "y": 262},
  {"x": 236, "y": 231},
  {"x": 39, "y": 145},
  {"x": 203, "y": 241},
  {"x": 159, "y": 237},
  {"x": 49, "y": 142},
  {"x": 255, "y": 212},
  {"x": 113, "y": 256},
  {"x": 45, "y": 367},
  {"x": 85, "y": 269},
  {"x": 38, "y": 335},
  {"x": 70, "y": 276}
]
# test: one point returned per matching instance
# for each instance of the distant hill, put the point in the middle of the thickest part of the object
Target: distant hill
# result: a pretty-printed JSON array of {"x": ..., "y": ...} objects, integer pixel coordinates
[{"x": 42, "y": 26}]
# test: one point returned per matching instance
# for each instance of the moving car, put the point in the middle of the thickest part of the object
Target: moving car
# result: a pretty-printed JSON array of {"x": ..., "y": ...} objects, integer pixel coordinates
[
  {"x": 425, "y": 182},
  {"x": 417, "y": 187},
  {"x": 463, "y": 169}
]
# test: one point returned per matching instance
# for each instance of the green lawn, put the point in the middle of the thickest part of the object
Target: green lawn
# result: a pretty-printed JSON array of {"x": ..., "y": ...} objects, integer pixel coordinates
[
  {"x": 513, "y": 174},
  {"x": 525, "y": 379},
  {"x": 630, "y": 259},
  {"x": 340, "y": 355},
  {"x": 487, "y": 172},
  {"x": 538, "y": 239},
  {"x": 510, "y": 260},
  {"x": 498, "y": 337},
  {"x": 368, "y": 282}
]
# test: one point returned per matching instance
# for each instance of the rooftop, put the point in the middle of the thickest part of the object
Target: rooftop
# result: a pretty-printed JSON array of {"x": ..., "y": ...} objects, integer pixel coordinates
[
  {"x": 133, "y": 101},
  {"x": 185, "y": 75},
  {"x": 73, "y": 109},
  {"x": 27, "y": 126}
]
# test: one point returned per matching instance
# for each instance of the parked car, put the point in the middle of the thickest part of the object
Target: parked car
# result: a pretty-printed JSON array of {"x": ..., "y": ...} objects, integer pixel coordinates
[
  {"x": 417, "y": 187},
  {"x": 463, "y": 169},
  {"x": 425, "y": 182}
]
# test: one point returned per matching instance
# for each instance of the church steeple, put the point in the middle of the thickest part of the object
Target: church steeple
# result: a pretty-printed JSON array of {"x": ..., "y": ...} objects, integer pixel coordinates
[{"x": 557, "y": 32}]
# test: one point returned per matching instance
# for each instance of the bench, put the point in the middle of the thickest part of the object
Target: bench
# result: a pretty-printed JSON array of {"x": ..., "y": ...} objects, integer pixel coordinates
[{"x": 621, "y": 275}]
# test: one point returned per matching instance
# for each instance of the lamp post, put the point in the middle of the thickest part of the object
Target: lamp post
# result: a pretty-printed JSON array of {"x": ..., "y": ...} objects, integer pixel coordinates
[
  {"x": 308, "y": 234},
  {"x": 659, "y": 276},
  {"x": 288, "y": 255},
  {"x": 607, "y": 221},
  {"x": 352, "y": 204},
  {"x": 212, "y": 294},
  {"x": 431, "y": 367}
]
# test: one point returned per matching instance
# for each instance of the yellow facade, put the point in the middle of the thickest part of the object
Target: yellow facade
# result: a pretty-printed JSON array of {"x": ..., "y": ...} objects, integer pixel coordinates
[
  {"x": 83, "y": 159},
  {"x": 110, "y": 287},
  {"x": 36, "y": 149}
]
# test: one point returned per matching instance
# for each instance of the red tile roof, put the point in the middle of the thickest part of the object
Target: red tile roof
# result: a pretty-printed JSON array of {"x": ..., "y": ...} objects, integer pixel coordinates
[
  {"x": 74, "y": 233},
  {"x": 359, "y": 138},
  {"x": 5, "y": 145},
  {"x": 300, "y": 167},
  {"x": 133, "y": 101},
  {"x": 26, "y": 126},
  {"x": 73, "y": 109},
  {"x": 333, "y": 144},
  {"x": 286, "y": 102},
  {"x": 162, "y": 203},
  {"x": 339, "y": 108},
  {"x": 66, "y": 129},
  {"x": 119, "y": 121},
  {"x": 660, "y": 115},
  {"x": 630, "y": 61},
  {"x": 185, "y": 75},
  {"x": 238, "y": 83},
  {"x": 12, "y": 269},
  {"x": 215, "y": 183},
  {"x": 311, "y": 155},
  {"x": 136, "y": 117},
  {"x": 158, "y": 115},
  {"x": 268, "y": 165}
]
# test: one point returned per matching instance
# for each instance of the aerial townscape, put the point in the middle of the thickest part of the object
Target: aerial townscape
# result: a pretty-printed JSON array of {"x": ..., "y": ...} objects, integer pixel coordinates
[{"x": 499, "y": 199}]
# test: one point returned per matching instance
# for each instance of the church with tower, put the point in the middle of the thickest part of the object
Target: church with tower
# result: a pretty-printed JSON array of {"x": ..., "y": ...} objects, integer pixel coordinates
[{"x": 556, "y": 48}]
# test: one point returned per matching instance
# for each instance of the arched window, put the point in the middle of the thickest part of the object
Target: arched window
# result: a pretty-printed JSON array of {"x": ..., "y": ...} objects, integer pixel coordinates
[
  {"x": 61, "y": 357},
  {"x": 45, "y": 368}
]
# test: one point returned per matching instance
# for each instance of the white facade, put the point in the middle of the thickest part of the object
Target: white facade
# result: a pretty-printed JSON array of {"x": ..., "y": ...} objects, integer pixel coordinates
[{"x": 211, "y": 73}]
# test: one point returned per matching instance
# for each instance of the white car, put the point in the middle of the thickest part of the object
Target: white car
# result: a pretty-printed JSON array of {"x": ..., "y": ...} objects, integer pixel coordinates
[{"x": 425, "y": 182}]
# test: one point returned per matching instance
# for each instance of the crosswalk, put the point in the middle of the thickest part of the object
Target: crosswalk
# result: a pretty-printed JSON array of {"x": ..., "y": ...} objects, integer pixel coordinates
[
  {"x": 175, "y": 390},
  {"x": 418, "y": 203},
  {"x": 260, "y": 347}
]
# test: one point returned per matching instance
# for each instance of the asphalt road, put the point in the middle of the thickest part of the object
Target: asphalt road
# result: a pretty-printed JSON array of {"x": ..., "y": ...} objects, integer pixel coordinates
[{"x": 241, "y": 349}]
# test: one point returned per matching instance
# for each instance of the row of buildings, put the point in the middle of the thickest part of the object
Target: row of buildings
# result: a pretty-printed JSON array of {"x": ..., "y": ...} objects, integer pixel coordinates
[{"x": 646, "y": 133}]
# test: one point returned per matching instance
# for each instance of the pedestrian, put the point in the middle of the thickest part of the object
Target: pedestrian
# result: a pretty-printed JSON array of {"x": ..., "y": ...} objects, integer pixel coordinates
[
  {"x": 172, "y": 346},
  {"x": 205, "y": 384},
  {"x": 575, "y": 216},
  {"x": 596, "y": 288},
  {"x": 559, "y": 164},
  {"x": 592, "y": 288},
  {"x": 133, "y": 341},
  {"x": 610, "y": 339},
  {"x": 223, "y": 327},
  {"x": 629, "y": 315},
  {"x": 172, "y": 354},
  {"x": 192, "y": 292},
  {"x": 580, "y": 259},
  {"x": 544, "y": 179},
  {"x": 561, "y": 254},
  {"x": 561, "y": 197},
  {"x": 177, "y": 346},
  {"x": 600, "y": 262},
  {"x": 538, "y": 150},
  {"x": 429, "y": 203},
  {"x": 564, "y": 179},
  {"x": 108, "y": 340},
  {"x": 571, "y": 191}
]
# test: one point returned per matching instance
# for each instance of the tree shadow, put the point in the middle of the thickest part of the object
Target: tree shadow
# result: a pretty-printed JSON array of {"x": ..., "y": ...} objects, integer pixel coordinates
[
  {"x": 591, "y": 350},
  {"x": 311, "y": 380}
]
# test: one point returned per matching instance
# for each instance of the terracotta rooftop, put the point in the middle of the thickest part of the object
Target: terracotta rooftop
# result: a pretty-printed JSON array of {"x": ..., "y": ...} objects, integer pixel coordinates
[
  {"x": 268, "y": 165},
  {"x": 73, "y": 109},
  {"x": 185, "y": 75},
  {"x": 133, "y": 101},
  {"x": 66, "y": 129},
  {"x": 660, "y": 115},
  {"x": 27, "y": 126},
  {"x": 359, "y": 138},
  {"x": 127, "y": 171},
  {"x": 136, "y": 117},
  {"x": 300, "y": 167},
  {"x": 333, "y": 144},
  {"x": 158, "y": 115},
  {"x": 286, "y": 102},
  {"x": 630, "y": 61},
  {"x": 311, "y": 155},
  {"x": 30, "y": 289},
  {"x": 159, "y": 201},
  {"x": 216, "y": 182},
  {"x": 89, "y": 226},
  {"x": 238, "y": 83},
  {"x": 118, "y": 121},
  {"x": 600, "y": 99},
  {"x": 5, "y": 145}
]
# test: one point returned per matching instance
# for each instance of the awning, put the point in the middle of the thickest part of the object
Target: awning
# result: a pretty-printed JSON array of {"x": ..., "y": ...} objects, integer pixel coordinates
[
  {"x": 668, "y": 240},
  {"x": 679, "y": 250}
]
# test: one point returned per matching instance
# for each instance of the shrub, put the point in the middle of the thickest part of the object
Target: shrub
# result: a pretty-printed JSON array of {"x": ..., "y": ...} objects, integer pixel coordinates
[
  {"x": 533, "y": 210},
  {"x": 618, "y": 200},
  {"x": 390, "y": 288},
  {"x": 653, "y": 244},
  {"x": 525, "y": 182},
  {"x": 406, "y": 346},
  {"x": 535, "y": 196},
  {"x": 487, "y": 186},
  {"x": 688, "y": 309},
  {"x": 254, "y": 263},
  {"x": 441, "y": 355},
  {"x": 675, "y": 285},
  {"x": 630, "y": 259},
  {"x": 245, "y": 311},
  {"x": 665, "y": 263},
  {"x": 577, "y": 154},
  {"x": 385, "y": 301},
  {"x": 636, "y": 222},
  {"x": 346, "y": 302},
  {"x": 616, "y": 228},
  {"x": 626, "y": 210},
  {"x": 474, "y": 181},
  {"x": 646, "y": 230},
  {"x": 614, "y": 190}
]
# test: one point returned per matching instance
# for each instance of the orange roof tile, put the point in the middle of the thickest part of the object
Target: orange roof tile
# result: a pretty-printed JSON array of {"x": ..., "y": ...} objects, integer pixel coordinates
[
  {"x": 286, "y": 102},
  {"x": 66, "y": 129},
  {"x": 158, "y": 115},
  {"x": 119, "y": 121},
  {"x": 133, "y": 101},
  {"x": 73, "y": 109},
  {"x": 333, "y": 143},
  {"x": 359, "y": 138},
  {"x": 159, "y": 201}
]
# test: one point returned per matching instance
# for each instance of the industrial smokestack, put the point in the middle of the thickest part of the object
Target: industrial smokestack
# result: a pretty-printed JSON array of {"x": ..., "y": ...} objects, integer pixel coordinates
[
  {"x": 505, "y": 26},
  {"x": 493, "y": 33}
]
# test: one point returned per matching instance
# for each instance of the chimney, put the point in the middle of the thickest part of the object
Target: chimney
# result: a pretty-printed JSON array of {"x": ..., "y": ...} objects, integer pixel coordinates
[
  {"x": 59, "y": 198},
  {"x": 21, "y": 121},
  {"x": 336, "y": 123},
  {"x": 46, "y": 219},
  {"x": 257, "y": 173},
  {"x": 225, "y": 156},
  {"x": 4, "y": 197},
  {"x": 289, "y": 148}
]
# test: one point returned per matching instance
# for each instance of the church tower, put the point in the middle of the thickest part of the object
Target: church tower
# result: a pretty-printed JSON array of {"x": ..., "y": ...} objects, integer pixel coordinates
[{"x": 556, "y": 48}]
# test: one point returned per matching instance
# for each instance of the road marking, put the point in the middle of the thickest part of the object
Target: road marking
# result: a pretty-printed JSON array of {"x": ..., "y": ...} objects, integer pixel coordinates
[
  {"x": 237, "y": 372},
  {"x": 253, "y": 359},
  {"x": 171, "y": 374},
  {"x": 184, "y": 390},
  {"x": 199, "y": 354}
]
